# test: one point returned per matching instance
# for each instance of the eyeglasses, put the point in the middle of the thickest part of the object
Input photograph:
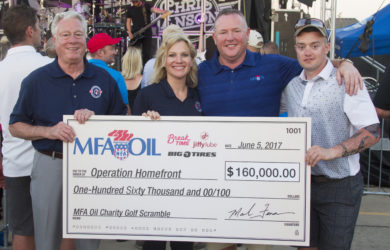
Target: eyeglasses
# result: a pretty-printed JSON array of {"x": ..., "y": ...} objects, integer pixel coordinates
[
  {"x": 309, "y": 21},
  {"x": 67, "y": 35}
]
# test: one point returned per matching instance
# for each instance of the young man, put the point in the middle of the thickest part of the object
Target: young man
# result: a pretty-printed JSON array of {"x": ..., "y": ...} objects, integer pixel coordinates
[
  {"x": 21, "y": 26},
  {"x": 342, "y": 126},
  {"x": 69, "y": 85},
  {"x": 102, "y": 49}
]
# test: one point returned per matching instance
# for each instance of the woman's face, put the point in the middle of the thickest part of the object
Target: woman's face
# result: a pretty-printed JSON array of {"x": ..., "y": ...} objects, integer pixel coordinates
[{"x": 178, "y": 61}]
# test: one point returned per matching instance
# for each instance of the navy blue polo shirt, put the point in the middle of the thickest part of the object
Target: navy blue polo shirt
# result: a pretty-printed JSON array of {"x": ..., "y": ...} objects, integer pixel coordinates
[
  {"x": 48, "y": 93},
  {"x": 253, "y": 88},
  {"x": 160, "y": 97}
]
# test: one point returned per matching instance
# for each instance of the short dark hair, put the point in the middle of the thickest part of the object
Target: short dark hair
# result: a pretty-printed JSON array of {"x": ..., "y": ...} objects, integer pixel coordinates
[
  {"x": 231, "y": 11},
  {"x": 16, "y": 20}
]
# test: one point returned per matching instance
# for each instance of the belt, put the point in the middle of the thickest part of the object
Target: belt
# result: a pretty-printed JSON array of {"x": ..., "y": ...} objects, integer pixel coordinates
[
  {"x": 52, "y": 154},
  {"x": 322, "y": 179}
]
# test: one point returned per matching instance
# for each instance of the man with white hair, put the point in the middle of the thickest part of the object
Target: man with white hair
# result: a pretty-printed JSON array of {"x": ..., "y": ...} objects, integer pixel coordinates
[{"x": 69, "y": 85}]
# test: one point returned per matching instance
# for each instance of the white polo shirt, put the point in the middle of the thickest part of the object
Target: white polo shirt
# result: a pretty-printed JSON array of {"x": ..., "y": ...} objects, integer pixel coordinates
[{"x": 20, "y": 61}]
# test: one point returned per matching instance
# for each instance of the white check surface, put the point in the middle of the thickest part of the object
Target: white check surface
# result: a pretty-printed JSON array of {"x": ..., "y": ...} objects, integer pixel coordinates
[{"x": 210, "y": 179}]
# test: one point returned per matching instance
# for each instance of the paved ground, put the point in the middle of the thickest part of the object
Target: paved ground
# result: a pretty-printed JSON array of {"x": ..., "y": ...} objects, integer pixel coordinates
[{"x": 372, "y": 231}]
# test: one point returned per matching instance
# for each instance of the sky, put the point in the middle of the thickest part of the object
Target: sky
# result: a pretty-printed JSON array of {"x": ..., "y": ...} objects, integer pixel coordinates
[{"x": 359, "y": 9}]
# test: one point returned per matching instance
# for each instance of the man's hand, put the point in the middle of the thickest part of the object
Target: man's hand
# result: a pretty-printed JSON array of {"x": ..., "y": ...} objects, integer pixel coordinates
[
  {"x": 82, "y": 115},
  {"x": 131, "y": 36},
  {"x": 352, "y": 78},
  {"x": 62, "y": 132},
  {"x": 317, "y": 153}
]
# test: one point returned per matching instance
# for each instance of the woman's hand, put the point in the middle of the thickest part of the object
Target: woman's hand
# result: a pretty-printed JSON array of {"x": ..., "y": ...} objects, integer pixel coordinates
[{"x": 153, "y": 115}]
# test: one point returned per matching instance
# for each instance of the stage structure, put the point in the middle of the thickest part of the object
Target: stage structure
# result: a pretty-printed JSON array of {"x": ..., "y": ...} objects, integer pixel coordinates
[
  {"x": 274, "y": 19},
  {"x": 109, "y": 16}
]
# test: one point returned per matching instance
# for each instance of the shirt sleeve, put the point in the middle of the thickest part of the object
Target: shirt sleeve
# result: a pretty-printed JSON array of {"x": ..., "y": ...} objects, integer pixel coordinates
[
  {"x": 290, "y": 69},
  {"x": 116, "y": 107},
  {"x": 283, "y": 103},
  {"x": 129, "y": 13},
  {"x": 382, "y": 98},
  {"x": 23, "y": 109},
  {"x": 360, "y": 109}
]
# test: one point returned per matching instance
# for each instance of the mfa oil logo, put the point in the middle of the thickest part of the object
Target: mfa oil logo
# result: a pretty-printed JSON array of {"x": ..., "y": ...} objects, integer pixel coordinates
[{"x": 120, "y": 143}]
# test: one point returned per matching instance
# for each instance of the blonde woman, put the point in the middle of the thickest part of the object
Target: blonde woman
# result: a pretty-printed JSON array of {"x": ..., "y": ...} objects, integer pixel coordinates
[
  {"x": 172, "y": 93},
  {"x": 174, "y": 80},
  {"x": 131, "y": 71}
]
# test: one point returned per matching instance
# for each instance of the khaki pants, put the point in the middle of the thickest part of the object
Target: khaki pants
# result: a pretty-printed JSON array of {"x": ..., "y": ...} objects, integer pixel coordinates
[{"x": 230, "y": 246}]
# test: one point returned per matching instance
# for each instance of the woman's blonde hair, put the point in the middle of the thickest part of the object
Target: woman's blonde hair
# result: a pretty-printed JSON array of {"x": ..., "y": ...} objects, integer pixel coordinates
[
  {"x": 169, "y": 39},
  {"x": 132, "y": 63}
]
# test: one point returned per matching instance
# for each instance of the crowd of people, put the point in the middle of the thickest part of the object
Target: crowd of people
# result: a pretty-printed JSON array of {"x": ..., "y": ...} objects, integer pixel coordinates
[{"x": 36, "y": 91}]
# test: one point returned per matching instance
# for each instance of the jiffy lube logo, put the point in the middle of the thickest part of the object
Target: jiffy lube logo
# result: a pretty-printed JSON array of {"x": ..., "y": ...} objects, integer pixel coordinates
[
  {"x": 204, "y": 142},
  {"x": 120, "y": 143}
]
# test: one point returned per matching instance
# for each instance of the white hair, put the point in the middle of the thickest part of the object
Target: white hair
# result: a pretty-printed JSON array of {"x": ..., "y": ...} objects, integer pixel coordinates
[{"x": 67, "y": 15}]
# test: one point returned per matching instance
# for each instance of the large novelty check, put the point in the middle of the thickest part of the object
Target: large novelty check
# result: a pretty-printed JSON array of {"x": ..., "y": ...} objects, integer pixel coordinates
[{"x": 202, "y": 179}]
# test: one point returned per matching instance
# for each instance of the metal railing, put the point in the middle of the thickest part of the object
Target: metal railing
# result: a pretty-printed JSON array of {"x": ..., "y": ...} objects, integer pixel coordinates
[
  {"x": 372, "y": 85},
  {"x": 381, "y": 146}
]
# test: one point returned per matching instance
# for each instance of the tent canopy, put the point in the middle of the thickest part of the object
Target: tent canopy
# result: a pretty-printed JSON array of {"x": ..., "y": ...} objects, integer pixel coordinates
[{"x": 347, "y": 36}]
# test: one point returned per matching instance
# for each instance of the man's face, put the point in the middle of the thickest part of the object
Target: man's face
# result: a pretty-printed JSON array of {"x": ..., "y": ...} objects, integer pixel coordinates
[
  {"x": 231, "y": 37},
  {"x": 36, "y": 36},
  {"x": 108, "y": 53},
  {"x": 312, "y": 50},
  {"x": 70, "y": 42}
]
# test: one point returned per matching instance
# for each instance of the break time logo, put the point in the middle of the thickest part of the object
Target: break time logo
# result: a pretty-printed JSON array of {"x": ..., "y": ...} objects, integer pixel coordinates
[
  {"x": 120, "y": 143},
  {"x": 185, "y": 140}
]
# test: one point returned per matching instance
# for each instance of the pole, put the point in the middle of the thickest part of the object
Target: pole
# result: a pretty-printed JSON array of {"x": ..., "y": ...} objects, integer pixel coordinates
[{"x": 333, "y": 28}]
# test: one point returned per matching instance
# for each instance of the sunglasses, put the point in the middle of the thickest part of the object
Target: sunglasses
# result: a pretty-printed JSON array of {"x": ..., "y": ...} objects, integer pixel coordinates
[{"x": 309, "y": 21}]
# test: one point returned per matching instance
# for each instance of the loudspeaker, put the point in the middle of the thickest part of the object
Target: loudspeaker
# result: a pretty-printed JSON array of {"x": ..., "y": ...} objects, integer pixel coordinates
[{"x": 284, "y": 31}]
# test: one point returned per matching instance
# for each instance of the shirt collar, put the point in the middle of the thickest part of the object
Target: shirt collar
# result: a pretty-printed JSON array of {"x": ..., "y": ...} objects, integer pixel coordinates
[
  {"x": 216, "y": 66},
  {"x": 56, "y": 72},
  {"x": 324, "y": 74},
  {"x": 169, "y": 91},
  {"x": 98, "y": 62},
  {"x": 19, "y": 49}
]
